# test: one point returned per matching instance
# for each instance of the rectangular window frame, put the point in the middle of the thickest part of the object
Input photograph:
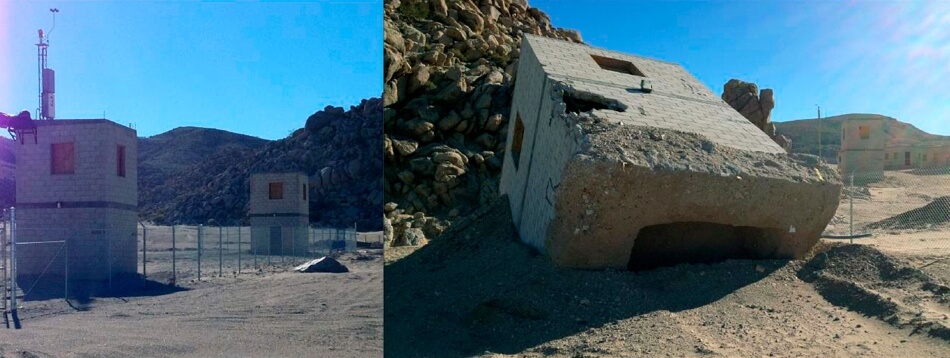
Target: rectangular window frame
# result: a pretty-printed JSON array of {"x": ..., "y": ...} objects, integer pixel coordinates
[
  {"x": 63, "y": 158},
  {"x": 120, "y": 161},
  {"x": 275, "y": 190}
]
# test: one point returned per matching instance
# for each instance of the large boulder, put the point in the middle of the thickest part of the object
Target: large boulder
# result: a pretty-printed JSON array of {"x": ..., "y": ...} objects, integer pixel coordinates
[{"x": 756, "y": 106}]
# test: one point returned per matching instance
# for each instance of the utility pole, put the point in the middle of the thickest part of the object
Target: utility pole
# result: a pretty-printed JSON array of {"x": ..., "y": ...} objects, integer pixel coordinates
[{"x": 819, "y": 134}]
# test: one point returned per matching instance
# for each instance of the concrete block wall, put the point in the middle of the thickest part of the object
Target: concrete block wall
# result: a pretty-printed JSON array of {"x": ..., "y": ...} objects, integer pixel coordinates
[
  {"x": 556, "y": 143},
  {"x": 291, "y": 213},
  {"x": 897, "y": 155},
  {"x": 292, "y": 202},
  {"x": 851, "y": 134},
  {"x": 678, "y": 100},
  {"x": 93, "y": 209},
  {"x": 863, "y": 157},
  {"x": 550, "y": 68},
  {"x": 525, "y": 104},
  {"x": 295, "y": 237}
]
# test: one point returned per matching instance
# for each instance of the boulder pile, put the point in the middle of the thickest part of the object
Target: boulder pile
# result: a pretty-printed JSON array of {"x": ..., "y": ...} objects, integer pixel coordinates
[{"x": 449, "y": 69}]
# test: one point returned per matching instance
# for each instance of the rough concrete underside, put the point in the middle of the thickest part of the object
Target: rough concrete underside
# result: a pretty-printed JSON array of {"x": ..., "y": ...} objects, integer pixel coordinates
[{"x": 639, "y": 197}]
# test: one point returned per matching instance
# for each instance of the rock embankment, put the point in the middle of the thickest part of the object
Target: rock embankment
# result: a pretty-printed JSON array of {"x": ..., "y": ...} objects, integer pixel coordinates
[
  {"x": 449, "y": 69},
  {"x": 337, "y": 149}
]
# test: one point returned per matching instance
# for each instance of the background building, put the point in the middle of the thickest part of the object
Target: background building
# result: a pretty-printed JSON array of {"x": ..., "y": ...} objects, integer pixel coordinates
[{"x": 280, "y": 213}]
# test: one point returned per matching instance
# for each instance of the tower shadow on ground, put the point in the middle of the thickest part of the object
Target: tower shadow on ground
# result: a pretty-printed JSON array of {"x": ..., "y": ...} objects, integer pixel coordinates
[{"x": 84, "y": 291}]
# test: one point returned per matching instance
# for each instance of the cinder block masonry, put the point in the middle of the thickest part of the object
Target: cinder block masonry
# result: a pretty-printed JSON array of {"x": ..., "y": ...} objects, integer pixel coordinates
[
  {"x": 78, "y": 183},
  {"x": 280, "y": 213}
]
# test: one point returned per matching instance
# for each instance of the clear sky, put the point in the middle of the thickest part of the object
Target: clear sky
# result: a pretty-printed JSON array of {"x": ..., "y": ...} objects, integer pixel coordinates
[
  {"x": 256, "y": 68},
  {"x": 889, "y": 58}
]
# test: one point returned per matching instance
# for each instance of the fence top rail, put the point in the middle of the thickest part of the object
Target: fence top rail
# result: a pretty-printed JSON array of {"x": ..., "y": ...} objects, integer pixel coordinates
[{"x": 41, "y": 242}]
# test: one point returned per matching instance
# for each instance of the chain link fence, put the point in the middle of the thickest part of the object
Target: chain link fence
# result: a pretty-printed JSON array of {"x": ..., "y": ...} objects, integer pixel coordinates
[
  {"x": 904, "y": 212},
  {"x": 58, "y": 261},
  {"x": 177, "y": 254}
]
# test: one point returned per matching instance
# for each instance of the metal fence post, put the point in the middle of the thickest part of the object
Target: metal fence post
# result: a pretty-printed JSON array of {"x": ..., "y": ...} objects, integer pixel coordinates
[
  {"x": 174, "y": 280},
  {"x": 199, "y": 251},
  {"x": 851, "y": 194},
  {"x": 144, "y": 254},
  {"x": 220, "y": 250},
  {"x": 13, "y": 304},
  {"x": 239, "y": 249},
  {"x": 66, "y": 260}
]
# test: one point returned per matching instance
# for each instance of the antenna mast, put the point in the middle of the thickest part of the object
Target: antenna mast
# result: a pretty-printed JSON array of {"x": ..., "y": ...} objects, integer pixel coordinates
[
  {"x": 819, "y": 134},
  {"x": 45, "y": 75}
]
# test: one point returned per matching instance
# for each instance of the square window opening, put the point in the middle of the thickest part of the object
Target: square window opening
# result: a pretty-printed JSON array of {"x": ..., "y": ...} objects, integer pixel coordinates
[
  {"x": 616, "y": 65},
  {"x": 120, "y": 161},
  {"x": 517, "y": 140},
  {"x": 865, "y": 132},
  {"x": 276, "y": 191},
  {"x": 63, "y": 158}
]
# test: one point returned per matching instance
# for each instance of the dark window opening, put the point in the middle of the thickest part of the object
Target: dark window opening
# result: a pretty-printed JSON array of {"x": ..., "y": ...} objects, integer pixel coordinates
[
  {"x": 63, "y": 158},
  {"x": 120, "y": 161},
  {"x": 305, "y": 192},
  {"x": 615, "y": 65},
  {"x": 700, "y": 242},
  {"x": 518, "y": 139},
  {"x": 906, "y": 158},
  {"x": 276, "y": 191},
  {"x": 579, "y": 105}
]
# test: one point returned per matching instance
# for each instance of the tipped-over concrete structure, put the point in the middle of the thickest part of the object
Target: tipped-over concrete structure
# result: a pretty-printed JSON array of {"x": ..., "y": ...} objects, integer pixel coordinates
[{"x": 618, "y": 161}]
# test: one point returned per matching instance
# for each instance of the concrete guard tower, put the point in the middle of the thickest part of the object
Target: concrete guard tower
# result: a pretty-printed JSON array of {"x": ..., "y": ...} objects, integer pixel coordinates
[
  {"x": 280, "y": 213},
  {"x": 77, "y": 183},
  {"x": 862, "y": 148}
]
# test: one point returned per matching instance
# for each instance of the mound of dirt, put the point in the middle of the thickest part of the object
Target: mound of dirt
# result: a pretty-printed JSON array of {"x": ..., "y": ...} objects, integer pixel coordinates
[
  {"x": 867, "y": 281},
  {"x": 937, "y": 212},
  {"x": 483, "y": 293},
  {"x": 481, "y": 290}
]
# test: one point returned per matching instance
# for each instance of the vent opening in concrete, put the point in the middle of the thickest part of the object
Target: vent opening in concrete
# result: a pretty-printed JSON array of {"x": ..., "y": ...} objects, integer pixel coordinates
[
  {"x": 699, "y": 243},
  {"x": 517, "y": 140},
  {"x": 616, "y": 65},
  {"x": 578, "y": 103}
]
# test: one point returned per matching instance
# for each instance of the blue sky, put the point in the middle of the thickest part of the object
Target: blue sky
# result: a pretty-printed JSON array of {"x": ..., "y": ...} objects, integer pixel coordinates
[
  {"x": 256, "y": 68},
  {"x": 890, "y": 58}
]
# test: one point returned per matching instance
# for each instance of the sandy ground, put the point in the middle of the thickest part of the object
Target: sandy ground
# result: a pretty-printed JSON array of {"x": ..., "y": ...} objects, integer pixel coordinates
[
  {"x": 263, "y": 312},
  {"x": 482, "y": 293}
]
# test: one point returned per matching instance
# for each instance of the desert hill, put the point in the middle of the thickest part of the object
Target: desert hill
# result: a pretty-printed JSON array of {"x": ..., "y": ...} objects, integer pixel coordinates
[
  {"x": 192, "y": 175},
  {"x": 804, "y": 133}
]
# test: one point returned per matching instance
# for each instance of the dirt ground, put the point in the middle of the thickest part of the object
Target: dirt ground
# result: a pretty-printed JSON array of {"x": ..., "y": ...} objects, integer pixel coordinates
[
  {"x": 264, "y": 312},
  {"x": 476, "y": 291}
]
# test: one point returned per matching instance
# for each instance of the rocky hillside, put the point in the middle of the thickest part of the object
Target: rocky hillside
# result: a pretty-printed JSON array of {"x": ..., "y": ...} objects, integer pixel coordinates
[
  {"x": 449, "y": 69},
  {"x": 804, "y": 134},
  {"x": 164, "y": 157},
  {"x": 184, "y": 146},
  {"x": 336, "y": 149}
]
